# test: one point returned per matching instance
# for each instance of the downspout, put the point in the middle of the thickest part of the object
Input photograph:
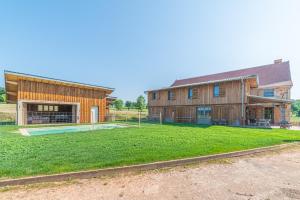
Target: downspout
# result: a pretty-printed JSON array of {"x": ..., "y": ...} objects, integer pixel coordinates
[{"x": 243, "y": 100}]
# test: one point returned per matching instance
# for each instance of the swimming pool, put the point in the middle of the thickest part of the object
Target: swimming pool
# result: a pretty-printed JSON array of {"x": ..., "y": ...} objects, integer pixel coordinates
[{"x": 67, "y": 129}]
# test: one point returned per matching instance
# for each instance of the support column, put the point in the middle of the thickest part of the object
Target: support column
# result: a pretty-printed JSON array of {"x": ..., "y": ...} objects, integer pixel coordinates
[{"x": 20, "y": 113}]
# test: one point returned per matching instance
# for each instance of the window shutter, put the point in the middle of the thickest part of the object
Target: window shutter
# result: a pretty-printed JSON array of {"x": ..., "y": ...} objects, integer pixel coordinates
[{"x": 195, "y": 93}]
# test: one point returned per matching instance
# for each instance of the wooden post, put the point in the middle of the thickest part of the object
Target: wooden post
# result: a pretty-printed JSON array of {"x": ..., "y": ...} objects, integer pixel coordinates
[
  {"x": 139, "y": 119},
  {"x": 160, "y": 118}
]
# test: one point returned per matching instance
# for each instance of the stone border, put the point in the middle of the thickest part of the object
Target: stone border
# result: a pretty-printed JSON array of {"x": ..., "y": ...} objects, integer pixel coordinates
[{"x": 136, "y": 168}]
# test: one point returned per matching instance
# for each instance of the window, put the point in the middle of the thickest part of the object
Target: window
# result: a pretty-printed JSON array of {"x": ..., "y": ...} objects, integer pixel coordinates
[
  {"x": 50, "y": 108},
  {"x": 40, "y": 108},
  {"x": 154, "y": 96},
  {"x": 216, "y": 90},
  {"x": 56, "y": 108},
  {"x": 46, "y": 108},
  {"x": 190, "y": 93},
  {"x": 269, "y": 93},
  {"x": 171, "y": 95}
]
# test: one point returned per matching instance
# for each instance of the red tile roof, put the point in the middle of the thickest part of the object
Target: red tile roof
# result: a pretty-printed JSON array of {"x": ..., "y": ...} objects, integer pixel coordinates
[{"x": 267, "y": 74}]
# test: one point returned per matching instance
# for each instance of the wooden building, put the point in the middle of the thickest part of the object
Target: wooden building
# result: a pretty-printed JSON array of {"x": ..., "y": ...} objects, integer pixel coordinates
[
  {"x": 42, "y": 100},
  {"x": 236, "y": 97}
]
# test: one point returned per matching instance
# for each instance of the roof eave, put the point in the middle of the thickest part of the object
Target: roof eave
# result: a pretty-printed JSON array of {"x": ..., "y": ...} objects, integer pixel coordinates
[
  {"x": 272, "y": 99},
  {"x": 204, "y": 83},
  {"x": 58, "y": 80}
]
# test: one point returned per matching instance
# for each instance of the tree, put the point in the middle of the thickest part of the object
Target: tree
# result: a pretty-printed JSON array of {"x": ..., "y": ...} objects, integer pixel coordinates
[
  {"x": 140, "y": 103},
  {"x": 128, "y": 104},
  {"x": 118, "y": 104},
  {"x": 2, "y": 95},
  {"x": 296, "y": 107}
]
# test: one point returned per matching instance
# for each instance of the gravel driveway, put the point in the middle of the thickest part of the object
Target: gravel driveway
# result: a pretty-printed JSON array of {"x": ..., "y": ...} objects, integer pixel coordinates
[{"x": 273, "y": 175}]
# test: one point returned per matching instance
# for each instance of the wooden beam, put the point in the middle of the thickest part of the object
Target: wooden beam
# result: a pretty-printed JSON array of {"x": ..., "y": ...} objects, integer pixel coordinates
[
  {"x": 12, "y": 93},
  {"x": 9, "y": 101},
  {"x": 12, "y": 82}
]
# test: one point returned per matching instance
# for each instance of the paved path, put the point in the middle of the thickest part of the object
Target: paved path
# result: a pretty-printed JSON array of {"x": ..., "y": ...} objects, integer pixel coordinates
[{"x": 269, "y": 176}]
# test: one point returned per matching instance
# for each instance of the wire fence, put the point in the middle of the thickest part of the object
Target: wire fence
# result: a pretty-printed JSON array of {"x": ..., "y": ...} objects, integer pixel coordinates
[{"x": 126, "y": 116}]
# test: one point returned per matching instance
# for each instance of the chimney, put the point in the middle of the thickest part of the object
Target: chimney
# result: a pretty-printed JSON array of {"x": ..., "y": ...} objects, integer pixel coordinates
[{"x": 278, "y": 61}]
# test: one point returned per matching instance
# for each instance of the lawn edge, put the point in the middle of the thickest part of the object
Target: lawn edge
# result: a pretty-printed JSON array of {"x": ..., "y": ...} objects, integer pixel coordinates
[{"x": 137, "y": 168}]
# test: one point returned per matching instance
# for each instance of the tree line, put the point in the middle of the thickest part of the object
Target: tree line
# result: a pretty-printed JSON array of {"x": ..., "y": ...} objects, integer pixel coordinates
[
  {"x": 139, "y": 104},
  {"x": 296, "y": 108}
]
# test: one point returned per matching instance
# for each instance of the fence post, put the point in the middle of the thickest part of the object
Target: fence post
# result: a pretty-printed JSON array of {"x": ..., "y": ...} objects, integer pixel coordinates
[
  {"x": 160, "y": 118},
  {"x": 126, "y": 116},
  {"x": 139, "y": 119}
]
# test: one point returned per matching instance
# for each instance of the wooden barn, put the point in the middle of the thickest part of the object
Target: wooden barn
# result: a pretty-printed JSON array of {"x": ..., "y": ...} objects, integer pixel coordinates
[
  {"x": 246, "y": 96},
  {"x": 43, "y": 100}
]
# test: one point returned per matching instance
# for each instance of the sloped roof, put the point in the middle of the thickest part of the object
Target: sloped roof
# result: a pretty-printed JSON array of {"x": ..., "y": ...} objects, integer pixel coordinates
[
  {"x": 6, "y": 72},
  {"x": 267, "y": 75}
]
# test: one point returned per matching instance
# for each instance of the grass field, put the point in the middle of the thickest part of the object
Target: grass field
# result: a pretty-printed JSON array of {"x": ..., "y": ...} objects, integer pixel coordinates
[{"x": 48, "y": 154}]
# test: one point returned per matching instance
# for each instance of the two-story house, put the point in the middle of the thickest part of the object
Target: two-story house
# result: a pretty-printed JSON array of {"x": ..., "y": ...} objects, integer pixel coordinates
[{"x": 238, "y": 97}]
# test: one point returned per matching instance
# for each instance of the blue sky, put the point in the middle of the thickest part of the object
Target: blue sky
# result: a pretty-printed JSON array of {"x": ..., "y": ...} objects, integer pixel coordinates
[{"x": 137, "y": 45}]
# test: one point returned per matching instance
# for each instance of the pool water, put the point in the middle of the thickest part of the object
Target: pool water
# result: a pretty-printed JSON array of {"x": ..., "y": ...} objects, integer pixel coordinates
[{"x": 67, "y": 129}]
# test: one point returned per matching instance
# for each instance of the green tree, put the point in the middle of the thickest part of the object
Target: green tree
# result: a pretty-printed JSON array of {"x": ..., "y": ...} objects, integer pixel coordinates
[
  {"x": 128, "y": 104},
  {"x": 2, "y": 95},
  {"x": 118, "y": 104},
  {"x": 141, "y": 103},
  {"x": 296, "y": 107}
]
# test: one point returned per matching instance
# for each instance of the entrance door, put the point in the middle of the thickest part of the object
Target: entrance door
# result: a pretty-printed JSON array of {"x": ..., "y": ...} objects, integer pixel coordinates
[
  {"x": 94, "y": 114},
  {"x": 204, "y": 115},
  {"x": 269, "y": 114}
]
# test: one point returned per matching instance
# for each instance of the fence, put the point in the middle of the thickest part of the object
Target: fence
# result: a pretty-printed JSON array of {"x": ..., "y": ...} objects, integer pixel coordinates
[
  {"x": 132, "y": 116},
  {"x": 7, "y": 118},
  {"x": 8, "y": 114}
]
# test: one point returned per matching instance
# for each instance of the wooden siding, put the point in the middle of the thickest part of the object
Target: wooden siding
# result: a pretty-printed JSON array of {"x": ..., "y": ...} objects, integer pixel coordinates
[
  {"x": 279, "y": 92},
  {"x": 230, "y": 113},
  {"x": 31, "y": 90},
  {"x": 203, "y": 95}
]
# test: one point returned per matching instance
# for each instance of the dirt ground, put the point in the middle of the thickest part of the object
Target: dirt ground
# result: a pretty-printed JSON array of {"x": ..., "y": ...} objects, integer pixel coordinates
[{"x": 273, "y": 175}]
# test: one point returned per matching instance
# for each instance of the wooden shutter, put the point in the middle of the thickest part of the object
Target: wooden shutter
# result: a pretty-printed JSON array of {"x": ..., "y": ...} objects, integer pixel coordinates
[{"x": 195, "y": 93}]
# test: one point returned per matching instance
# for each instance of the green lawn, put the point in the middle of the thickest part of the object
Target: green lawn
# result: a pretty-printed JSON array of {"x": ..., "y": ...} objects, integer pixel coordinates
[{"x": 25, "y": 156}]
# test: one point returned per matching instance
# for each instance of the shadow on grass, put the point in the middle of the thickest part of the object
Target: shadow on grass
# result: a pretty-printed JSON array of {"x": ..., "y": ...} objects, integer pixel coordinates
[
  {"x": 168, "y": 123},
  {"x": 290, "y": 141}
]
